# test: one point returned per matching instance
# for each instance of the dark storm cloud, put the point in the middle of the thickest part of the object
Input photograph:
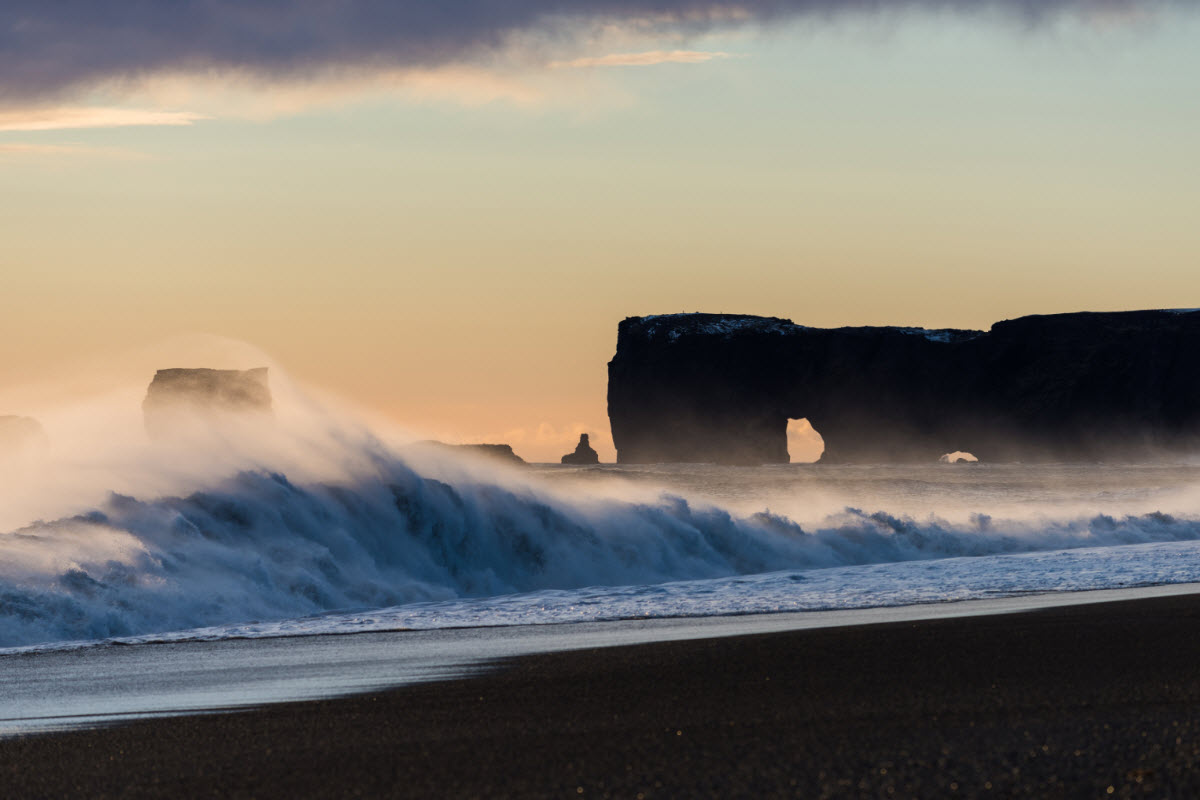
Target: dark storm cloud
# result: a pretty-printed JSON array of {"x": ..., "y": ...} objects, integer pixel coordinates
[{"x": 48, "y": 47}]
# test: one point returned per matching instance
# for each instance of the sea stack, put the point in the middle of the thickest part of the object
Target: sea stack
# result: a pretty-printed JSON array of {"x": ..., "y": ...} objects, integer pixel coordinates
[
  {"x": 584, "y": 454},
  {"x": 182, "y": 399}
]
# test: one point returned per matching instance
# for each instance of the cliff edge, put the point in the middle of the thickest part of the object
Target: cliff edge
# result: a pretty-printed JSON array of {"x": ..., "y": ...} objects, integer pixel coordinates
[{"x": 720, "y": 388}]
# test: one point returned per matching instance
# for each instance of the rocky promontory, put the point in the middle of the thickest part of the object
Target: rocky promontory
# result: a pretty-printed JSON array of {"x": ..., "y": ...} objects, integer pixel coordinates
[{"x": 721, "y": 388}]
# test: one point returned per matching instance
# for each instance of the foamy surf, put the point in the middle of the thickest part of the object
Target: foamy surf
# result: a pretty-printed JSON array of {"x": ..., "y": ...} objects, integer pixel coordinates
[{"x": 258, "y": 555}]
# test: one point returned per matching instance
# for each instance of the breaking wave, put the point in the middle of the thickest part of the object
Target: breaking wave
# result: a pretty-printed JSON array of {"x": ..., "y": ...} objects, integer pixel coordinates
[{"x": 258, "y": 546}]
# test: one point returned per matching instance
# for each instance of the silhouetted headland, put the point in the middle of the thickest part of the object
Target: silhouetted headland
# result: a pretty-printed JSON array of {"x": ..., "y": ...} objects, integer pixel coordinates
[{"x": 720, "y": 388}]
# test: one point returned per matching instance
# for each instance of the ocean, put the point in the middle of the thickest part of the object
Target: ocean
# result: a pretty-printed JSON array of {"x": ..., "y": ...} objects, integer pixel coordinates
[{"x": 390, "y": 540}]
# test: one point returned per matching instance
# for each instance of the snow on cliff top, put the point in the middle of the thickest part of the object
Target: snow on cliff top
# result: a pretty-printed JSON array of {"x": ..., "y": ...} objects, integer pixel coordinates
[
  {"x": 941, "y": 335},
  {"x": 677, "y": 325}
]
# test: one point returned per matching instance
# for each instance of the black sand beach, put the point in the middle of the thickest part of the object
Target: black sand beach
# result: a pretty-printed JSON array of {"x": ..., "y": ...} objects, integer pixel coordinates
[{"x": 1088, "y": 701}]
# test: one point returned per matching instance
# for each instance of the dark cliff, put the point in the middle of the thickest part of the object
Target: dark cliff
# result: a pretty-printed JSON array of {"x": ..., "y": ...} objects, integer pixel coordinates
[{"x": 1066, "y": 387}]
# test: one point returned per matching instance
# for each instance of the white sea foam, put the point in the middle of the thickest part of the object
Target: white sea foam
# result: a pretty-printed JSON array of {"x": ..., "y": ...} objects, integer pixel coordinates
[
  {"x": 869, "y": 586},
  {"x": 258, "y": 547}
]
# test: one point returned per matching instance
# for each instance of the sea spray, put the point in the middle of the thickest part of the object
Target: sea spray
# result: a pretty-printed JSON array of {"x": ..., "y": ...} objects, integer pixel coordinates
[{"x": 260, "y": 547}]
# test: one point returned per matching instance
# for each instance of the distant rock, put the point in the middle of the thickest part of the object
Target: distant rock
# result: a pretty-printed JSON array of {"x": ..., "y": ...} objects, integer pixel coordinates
[
  {"x": 21, "y": 436},
  {"x": 498, "y": 452},
  {"x": 584, "y": 454},
  {"x": 179, "y": 398},
  {"x": 502, "y": 452},
  {"x": 958, "y": 457}
]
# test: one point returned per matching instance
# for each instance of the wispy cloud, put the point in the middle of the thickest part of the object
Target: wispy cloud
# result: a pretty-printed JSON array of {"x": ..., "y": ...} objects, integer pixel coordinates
[
  {"x": 34, "y": 150},
  {"x": 646, "y": 59},
  {"x": 29, "y": 149},
  {"x": 55, "y": 119},
  {"x": 244, "y": 95},
  {"x": 52, "y": 50}
]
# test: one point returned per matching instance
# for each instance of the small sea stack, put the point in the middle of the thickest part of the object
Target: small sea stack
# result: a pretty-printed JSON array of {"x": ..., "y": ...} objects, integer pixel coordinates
[
  {"x": 181, "y": 399},
  {"x": 584, "y": 454}
]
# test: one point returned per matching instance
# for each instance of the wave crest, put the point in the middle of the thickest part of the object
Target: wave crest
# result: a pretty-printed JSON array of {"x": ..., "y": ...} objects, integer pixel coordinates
[{"x": 259, "y": 547}]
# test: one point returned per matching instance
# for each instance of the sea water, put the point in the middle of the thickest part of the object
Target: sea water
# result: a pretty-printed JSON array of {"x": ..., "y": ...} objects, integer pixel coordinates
[{"x": 268, "y": 546}]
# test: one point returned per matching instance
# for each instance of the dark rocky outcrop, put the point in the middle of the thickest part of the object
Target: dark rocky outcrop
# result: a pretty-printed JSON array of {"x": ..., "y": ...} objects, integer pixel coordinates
[
  {"x": 584, "y": 454},
  {"x": 498, "y": 452},
  {"x": 20, "y": 436},
  {"x": 179, "y": 398},
  {"x": 1066, "y": 387}
]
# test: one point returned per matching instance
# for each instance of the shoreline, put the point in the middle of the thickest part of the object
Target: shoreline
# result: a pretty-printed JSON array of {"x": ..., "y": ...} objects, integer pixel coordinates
[
  {"x": 1061, "y": 701},
  {"x": 73, "y": 688},
  {"x": 1007, "y": 603}
]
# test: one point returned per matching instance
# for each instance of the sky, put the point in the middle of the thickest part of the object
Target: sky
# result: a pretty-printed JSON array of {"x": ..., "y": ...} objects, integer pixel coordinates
[{"x": 441, "y": 211}]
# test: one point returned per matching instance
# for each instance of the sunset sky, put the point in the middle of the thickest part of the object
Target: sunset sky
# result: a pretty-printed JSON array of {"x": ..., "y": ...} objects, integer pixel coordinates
[{"x": 441, "y": 211}]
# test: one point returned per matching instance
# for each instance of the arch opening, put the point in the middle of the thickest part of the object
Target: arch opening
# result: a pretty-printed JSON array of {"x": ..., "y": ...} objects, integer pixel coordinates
[{"x": 804, "y": 444}]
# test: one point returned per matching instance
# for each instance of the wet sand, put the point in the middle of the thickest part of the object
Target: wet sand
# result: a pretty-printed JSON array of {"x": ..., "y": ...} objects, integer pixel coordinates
[{"x": 1087, "y": 701}]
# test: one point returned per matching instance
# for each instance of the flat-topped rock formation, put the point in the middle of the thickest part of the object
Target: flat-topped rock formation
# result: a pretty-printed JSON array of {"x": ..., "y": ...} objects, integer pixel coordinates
[
  {"x": 1089, "y": 386},
  {"x": 498, "y": 452},
  {"x": 180, "y": 398},
  {"x": 583, "y": 454},
  {"x": 20, "y": 436}
]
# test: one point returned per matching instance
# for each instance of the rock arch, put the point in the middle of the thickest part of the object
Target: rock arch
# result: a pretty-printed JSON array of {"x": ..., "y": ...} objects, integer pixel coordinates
[{"x": 721, "y": 388}]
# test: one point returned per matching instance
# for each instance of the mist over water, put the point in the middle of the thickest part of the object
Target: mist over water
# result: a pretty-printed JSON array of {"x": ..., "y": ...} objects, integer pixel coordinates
[{"x": 322, "y": 522}]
